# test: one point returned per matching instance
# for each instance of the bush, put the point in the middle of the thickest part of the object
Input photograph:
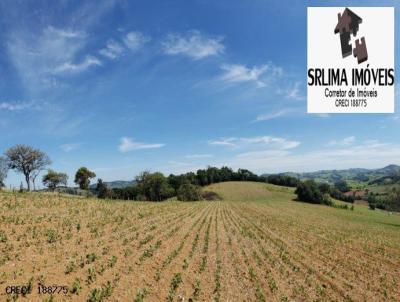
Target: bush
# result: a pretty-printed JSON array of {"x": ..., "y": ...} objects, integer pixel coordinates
[
  {"x": 209, "y": 195},
  {"x": 189, "y": 192},
  {"x": 308, "y": 191}
]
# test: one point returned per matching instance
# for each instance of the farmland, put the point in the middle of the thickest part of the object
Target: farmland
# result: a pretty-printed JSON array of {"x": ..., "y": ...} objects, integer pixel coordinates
[{"x": 257, "y": 244}]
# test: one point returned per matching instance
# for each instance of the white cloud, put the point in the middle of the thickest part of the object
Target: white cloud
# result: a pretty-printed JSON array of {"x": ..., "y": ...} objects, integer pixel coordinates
[
  {"x": 294, "y": 92},
  {"x": 19, "y": 106},
  {"x": 198, "y": 156},
  {"x": 70, "y": 147},
  {"x": 227, "y": 142},
  {"x": 134, "y": 40},
  {"x": 112, "y": 50},
  {"x": 38, "y": 58},
  {"x": 343, "y": 142},
  {"x": 273, "y": 115},
  {"x": 69, "y": 67},
  {"x": 193, "y": 44},
  {"x": 235, "y": 73},
  {"x": 127, "y": 144},
  {"x": 66, "y": 33},
  {"x": 246, "y": 142}
]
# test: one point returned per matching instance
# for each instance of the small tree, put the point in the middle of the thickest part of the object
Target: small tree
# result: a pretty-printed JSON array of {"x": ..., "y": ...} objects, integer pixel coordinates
[
  {"x": 83, "y": 176},
  {"x": 27, "y": 160},
  {"x": 102, "y": 189},
  {"x": 189, "y": 192},
  {"x": 3, "y": 171},
  {"x": 53, "y": 179}
]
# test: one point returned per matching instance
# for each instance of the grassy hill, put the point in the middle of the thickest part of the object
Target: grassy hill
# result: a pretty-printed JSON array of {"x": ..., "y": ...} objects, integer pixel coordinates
[
  {"x": 251, "y": 191},
  {"x": 256, "y": 244}
]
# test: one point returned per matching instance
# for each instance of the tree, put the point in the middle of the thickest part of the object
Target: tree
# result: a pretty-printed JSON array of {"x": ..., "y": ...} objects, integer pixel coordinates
[
  {"x": 83, "y": 176},
  {"x": 175, "y": 181},
  {"x": 154, "y": 186},
  {"x": 189, "y": 192},
  {"x": 308, "y": 191},
  {"x": 342, "y": 186},
  {"x": 53, "y": 179},
  {"x": 102, "y": 189},
  {"x": 3, "y": 171},
  {"x": 27, "y": 160}
]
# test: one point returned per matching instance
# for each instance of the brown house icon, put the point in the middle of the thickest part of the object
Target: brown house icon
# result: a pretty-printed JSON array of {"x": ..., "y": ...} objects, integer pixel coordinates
[{"x": 348, "y": 23}]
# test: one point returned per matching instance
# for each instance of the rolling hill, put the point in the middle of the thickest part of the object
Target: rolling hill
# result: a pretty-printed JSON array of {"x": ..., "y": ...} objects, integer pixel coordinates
[{"x": 354, "y": 174}]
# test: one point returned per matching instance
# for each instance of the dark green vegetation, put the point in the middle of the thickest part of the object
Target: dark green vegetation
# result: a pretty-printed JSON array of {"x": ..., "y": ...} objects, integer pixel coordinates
[
  {"x": 309, "y": 191},
  {"x": 83, "y": 176}
]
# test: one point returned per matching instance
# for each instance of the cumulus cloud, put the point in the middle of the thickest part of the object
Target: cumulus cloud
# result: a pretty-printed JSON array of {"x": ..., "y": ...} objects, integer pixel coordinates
[
  {"x": 193, "y": 44},
  {"x": 128, "y": 144}
]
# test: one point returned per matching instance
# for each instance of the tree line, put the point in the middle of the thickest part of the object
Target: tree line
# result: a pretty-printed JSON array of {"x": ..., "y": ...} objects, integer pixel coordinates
[{"x": 157, "y": 187}]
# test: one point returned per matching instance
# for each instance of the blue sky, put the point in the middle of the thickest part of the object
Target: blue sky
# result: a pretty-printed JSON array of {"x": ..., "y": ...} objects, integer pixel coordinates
[{"x": 173, "y": 86}]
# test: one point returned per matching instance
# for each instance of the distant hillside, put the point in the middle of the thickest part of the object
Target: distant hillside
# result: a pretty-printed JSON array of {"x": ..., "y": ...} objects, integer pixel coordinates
[
  {"x": 116, "y": 184},
  {"x": 355, "y": 174}
]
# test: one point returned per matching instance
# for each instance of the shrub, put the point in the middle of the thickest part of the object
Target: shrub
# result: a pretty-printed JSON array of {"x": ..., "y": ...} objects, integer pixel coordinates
[
  {"x": 189, "y": 192},
  {"x": 209, "y": 195}
]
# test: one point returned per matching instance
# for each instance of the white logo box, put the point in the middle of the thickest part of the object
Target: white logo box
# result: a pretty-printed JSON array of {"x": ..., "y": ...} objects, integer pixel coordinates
[{"x": 324, "y": 52}]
